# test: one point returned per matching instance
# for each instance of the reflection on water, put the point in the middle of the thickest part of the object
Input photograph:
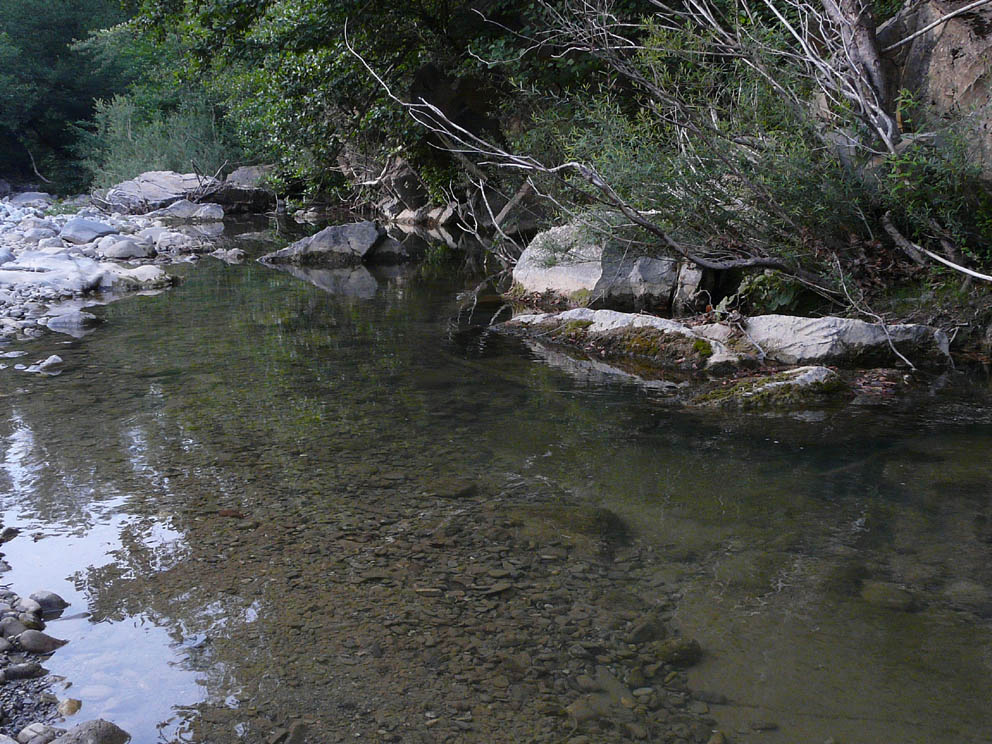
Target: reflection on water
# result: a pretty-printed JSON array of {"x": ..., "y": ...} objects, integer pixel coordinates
[{"x": 180, "y": 482}]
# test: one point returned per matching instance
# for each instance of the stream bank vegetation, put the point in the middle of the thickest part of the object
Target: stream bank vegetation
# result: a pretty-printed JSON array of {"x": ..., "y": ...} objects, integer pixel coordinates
[{"x": 770, "y": 140}]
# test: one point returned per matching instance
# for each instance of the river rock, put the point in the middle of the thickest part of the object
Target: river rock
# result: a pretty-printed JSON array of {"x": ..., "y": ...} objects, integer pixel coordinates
[
  {"x": 36, "y": 642},
  {"x": 179, "y": 211},
  {"x": 244, "y": 190},
  {"x": 121, "y": 248},
  {"x": 810, "y": 385},
  {"x": 96, "y": 732},
  {"x": 156, "y": 189},
  {"x": 679, "y": 652},
  {"x": 124, "y": 279},
  {"x": 335, "y": 246},
  {"x": 81, "y": 230},
  {"x": 209, "y": 213},
  {"x": 843, "y": 341},
  {"x": 37, "y": 733},
  {"x": 69, "y": 707},
  {"x": 629, "y": 334},
  {"x": 50, "y": 602},
  {"x": 36, "y": 199},
  {"x": 60, "y": 272},
  {"x": 37, "y": 234},
  {"x": 584, "y": 265},
  {"x": 229, "y": 255}
]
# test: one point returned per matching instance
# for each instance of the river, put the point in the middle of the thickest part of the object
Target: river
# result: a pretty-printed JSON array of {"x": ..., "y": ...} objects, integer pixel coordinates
[{"x": 194, "y": 478}]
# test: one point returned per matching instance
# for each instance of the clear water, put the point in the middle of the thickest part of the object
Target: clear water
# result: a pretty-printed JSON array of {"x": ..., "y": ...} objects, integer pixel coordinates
[{"x": 249, "y": 390}]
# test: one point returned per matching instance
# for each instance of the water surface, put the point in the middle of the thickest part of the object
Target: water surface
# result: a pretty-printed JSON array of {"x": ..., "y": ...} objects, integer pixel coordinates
[{"x": 248, "y": 401}]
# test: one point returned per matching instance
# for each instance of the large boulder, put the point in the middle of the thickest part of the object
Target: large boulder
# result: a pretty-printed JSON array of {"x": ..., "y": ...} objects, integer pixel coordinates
[
  {"x": 81, "y": 230},
  {"x": 789, "y": 339},
  {"x": 245, "y": 190},
  {"x": 157, "y": 189},
  {"x": 586, "y": 266},
  {"x": 61, "y": 272},
  {"x": 335, "y": 246}
]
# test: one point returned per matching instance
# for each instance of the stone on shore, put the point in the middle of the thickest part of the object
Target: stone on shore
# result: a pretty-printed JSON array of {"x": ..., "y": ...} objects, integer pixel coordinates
[
  {"x": 96, "y": 732},
  {"x": 36, "y": 642},
  {"x": 844, "y": 341},
  {"x": 332, "y": 247},
  {"x": 122, "y": 248},
  {"x": 37, "y": 733},
  {"x": 60, "y": 272},
  {"x": 81, "y": 230},
  {"x": 50, "y": 602},
  {"x": 156, "y": 189},
  {"x": 584, "y": 265},
  {"x": 35, "y": 199},
  {"x": 244, "y": 190},
  {"x": 667, "y": 342}
]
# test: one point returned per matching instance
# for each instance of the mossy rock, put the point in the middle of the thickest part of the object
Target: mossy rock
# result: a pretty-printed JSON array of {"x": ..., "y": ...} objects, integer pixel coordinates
[{"x": 801, "y": 387}]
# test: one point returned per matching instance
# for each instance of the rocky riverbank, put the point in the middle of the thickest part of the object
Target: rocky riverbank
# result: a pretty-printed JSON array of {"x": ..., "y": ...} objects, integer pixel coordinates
[
  {"x": 53, "y": 265},
  {"x": 30, "y": 713}
]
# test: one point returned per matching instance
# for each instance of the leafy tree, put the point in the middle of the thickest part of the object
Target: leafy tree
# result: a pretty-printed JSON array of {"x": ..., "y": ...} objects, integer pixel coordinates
[{"x": 46, "y": 83}]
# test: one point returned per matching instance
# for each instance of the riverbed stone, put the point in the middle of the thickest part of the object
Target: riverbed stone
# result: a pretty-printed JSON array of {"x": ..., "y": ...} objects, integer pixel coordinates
[
  {"x": 208, "y": 213},
  {"x": 181, "y": 210},
  {"x": 334, "y": 246},
  {"x": 69, "y": 706},
  {"x": 75, "y": 323},
  {"x": 122, "y": 248},
  {"x": 96, "y": 732},
  {"x": 679, "y": 652}
]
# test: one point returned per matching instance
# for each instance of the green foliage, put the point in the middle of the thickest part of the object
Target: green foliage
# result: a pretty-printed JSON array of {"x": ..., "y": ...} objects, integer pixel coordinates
[
  {"x": 126, "y": 140},
  {"x": 46, "y": 84},
  {"x": 934, "y": 187}
]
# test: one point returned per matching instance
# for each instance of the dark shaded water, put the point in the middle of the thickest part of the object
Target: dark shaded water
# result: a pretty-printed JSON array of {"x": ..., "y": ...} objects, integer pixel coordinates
[{"x": 248, "y": 390}]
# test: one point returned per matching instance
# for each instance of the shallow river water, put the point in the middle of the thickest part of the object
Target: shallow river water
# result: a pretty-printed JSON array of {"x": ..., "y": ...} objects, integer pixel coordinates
[{"x": 176, "y": 482}]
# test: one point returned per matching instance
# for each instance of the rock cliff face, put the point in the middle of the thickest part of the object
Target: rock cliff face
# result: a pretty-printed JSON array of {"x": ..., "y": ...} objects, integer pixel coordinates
[{"x": 948, "y": 67}]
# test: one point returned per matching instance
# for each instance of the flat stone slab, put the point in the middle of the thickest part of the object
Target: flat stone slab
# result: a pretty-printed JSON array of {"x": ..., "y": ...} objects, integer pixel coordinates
[{"x": 81, "y": 230}]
